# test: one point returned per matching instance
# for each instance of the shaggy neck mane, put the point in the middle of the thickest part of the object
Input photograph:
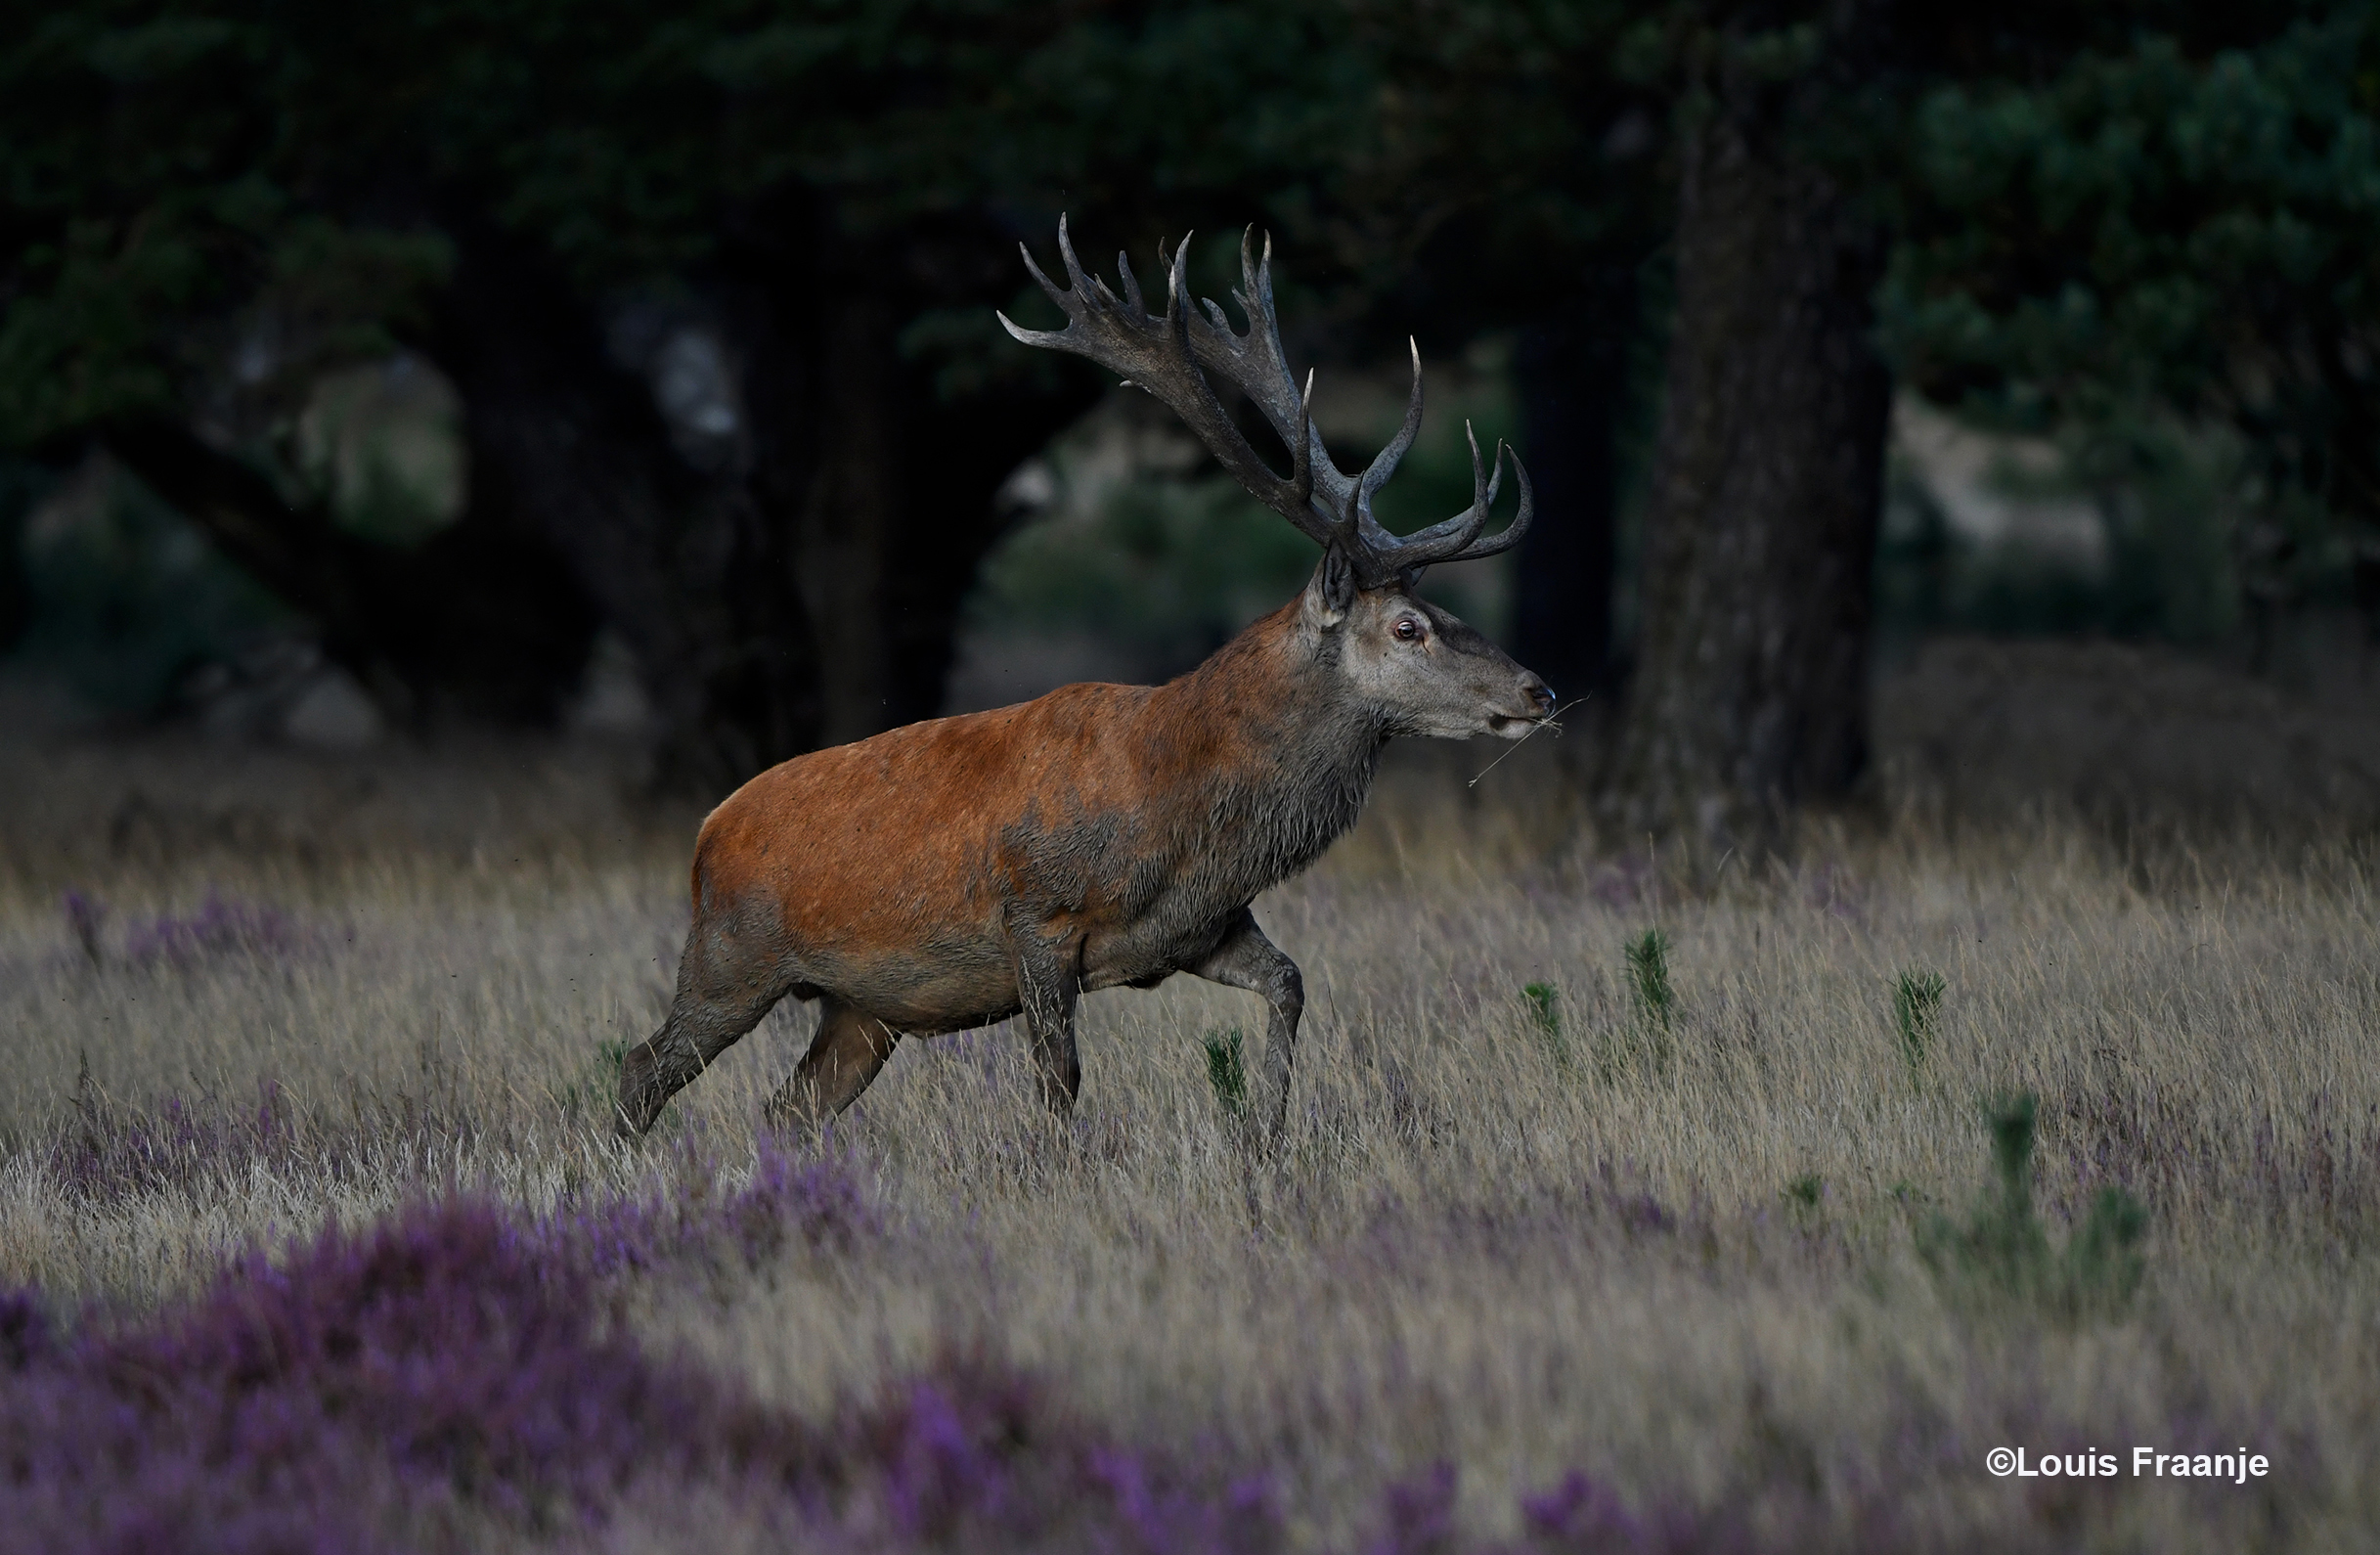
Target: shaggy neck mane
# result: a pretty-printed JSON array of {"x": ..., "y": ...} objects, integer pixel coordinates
[{"x": 1279, "y": 762}]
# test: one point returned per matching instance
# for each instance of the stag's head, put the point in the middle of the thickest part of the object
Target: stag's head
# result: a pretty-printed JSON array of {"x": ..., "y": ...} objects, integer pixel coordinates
[{"x": 1416, "y": 666}]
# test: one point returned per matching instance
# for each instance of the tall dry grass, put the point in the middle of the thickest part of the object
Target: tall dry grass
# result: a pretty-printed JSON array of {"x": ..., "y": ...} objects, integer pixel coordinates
[{"x": 1699, "y": 1254}]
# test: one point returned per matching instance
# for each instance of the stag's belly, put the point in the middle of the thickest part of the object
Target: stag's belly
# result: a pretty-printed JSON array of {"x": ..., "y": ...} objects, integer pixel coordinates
[
  {"x": 1144, "y": 949},
  {"x": 966, "y": 975}
]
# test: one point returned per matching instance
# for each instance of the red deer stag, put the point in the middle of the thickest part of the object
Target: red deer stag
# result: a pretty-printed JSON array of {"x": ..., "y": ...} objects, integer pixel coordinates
[{"x": 959, "y": 871}]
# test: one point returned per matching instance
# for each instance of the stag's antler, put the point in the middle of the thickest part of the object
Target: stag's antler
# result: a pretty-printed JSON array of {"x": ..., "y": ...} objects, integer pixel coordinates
[{"x": 1174, "y": 357}]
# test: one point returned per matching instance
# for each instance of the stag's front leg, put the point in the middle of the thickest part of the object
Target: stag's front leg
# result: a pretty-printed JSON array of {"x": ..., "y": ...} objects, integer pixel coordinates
[
  {"x": 1247, "y": 959},
  {"x": 1049, "y": 987}
]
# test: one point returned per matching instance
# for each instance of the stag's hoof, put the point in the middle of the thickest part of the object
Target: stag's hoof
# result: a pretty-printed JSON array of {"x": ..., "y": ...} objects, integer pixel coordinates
[{"x": 639, "y": 1104}]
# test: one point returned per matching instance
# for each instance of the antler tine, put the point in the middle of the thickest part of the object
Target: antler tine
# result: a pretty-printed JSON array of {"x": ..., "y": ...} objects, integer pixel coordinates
[
  {"x": 1227, "y": 342},
  {"x": 1441, "y": 541},
  {"x": 1165, "y": 356},
  {"x": 1511, "y": 534},
  {"x": 1291, "y": 498},
  {"x": 1255, "y": 364},
  {"x": 1457, "y": 539},
  {"x": 1056, "y": 292},
  {"x": 1131, "y": 283},
  {"x": 1073, "y": 266},
  {"x": 1302, "y": 456},
  {"x": 1177, "y": 290},
  {"x": 1376, "y": 475}
]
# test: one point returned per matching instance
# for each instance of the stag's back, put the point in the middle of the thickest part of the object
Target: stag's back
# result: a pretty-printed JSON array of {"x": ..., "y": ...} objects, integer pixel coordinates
[{"x": 901, "y": 835}]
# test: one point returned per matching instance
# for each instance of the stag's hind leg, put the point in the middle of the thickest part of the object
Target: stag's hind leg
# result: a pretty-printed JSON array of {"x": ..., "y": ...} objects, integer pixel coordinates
[
  {"x": 724, "y": 989},
  {"x": 843, "y": 1056},
  {"x": 1247, "y": 959}
]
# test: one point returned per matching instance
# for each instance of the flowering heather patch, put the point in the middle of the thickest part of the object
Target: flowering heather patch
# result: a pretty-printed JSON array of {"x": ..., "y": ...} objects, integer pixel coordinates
[
  {"x": 973, "y": 1456},
  {"x": 221, "y": 930},
  {"x": 395, "y": 1380},
  {"x": 106, "y": 1153},
  {"x": 817, "y": 1202},
  {"x": 456, "y": 1368},
  {"x": 1581, "y": 1516}
]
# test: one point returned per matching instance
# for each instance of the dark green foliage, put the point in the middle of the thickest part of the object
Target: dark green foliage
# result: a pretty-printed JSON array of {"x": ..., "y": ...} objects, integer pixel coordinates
[
  {"x": 1167, "y": 571},
  {"x": 2153, "y": 234},
  {"x": 1640, "y": 1045},
  {"x": 2167, "y": 499},
  {"x": 1916, "y": 1000},
  {"x": 200, "y": 220},
  {"x": 1804, "y": 1193},
  {"x": 2126, "y": 225},
  {"x": 124, "y": 597},
  {"x": 1227, "y": 1073},
  {"x": 292, "y": 185},
  {"x": 1649, "y": 978},
  {"x": 2003, "y": 1253},
  {"x": 1544, "y": 1001}
]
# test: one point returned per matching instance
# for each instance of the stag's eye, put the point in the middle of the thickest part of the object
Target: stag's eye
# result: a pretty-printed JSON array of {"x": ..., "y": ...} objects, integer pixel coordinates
[{"x": 1408, "y": 630}]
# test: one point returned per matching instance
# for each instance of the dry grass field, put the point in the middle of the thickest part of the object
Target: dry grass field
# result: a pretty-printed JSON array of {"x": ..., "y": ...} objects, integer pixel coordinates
[{"x": 1614, "y": 1214}]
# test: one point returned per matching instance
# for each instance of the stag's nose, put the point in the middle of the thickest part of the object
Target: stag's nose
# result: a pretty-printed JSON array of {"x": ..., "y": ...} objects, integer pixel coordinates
[{"x": 1540, "y": 694}]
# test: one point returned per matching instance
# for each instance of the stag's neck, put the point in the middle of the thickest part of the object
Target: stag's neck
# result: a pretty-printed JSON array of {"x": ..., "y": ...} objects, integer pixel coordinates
[{"x": 1276, "y": 759}]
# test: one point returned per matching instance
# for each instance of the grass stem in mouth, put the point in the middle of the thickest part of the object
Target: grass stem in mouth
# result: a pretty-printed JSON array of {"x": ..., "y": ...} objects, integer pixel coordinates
[{"x": 1546, "y": 721}]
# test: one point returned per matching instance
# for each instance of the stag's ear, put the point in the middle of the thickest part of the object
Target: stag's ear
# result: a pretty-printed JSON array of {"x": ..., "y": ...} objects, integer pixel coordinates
[{"x": 1334, "y": 587}]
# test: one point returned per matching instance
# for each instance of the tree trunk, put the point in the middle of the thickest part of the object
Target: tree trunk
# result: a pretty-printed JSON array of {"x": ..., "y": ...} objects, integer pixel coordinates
[
  {"x": 1751, "y": 681},
  {"x": 19, "y": 484},
  {"x": 481, "y": 619},
  {"x": 1571, "y": 374},
  {"x": 846, "y": 535},
  {"x": 795, "y": 580},
  {"x": 690, "y": 564},
  {"x": 886, "y": 484}
]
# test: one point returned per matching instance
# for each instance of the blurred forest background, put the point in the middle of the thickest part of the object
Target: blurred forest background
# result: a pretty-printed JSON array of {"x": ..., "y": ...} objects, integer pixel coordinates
[{"x": 368, "y": 374}]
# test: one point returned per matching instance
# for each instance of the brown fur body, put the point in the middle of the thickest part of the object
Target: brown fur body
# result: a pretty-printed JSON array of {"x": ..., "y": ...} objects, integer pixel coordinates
[
  {"x": 956, "y": 872},
  {"x": 1123, "y": 825}
]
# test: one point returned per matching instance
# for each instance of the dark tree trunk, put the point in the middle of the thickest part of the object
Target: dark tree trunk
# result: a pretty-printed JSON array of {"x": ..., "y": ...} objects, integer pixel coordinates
[
  {"x": 1571, "y": 374},
  {"x": 792, "y": 580},
  {"x": 885, "y": 486},
  {"x": 19, "y": 484},
  {"x": 481, "y": 619},
  {"x": 691, "y": 565},
  {"x": 949, "y": 522},
  {"x": 848, "y": 522},
  {"x": 1751, "y": 680}
]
